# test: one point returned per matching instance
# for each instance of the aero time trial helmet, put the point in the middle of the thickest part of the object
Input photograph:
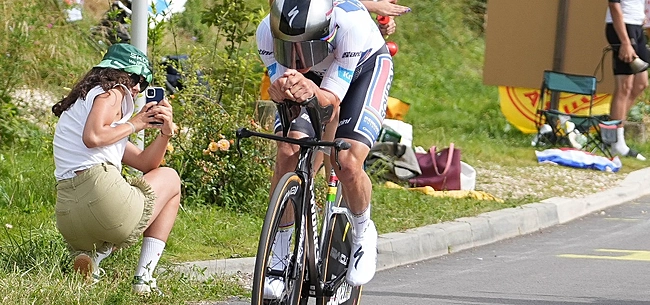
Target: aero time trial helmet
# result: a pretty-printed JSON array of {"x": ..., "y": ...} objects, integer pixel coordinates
[{"x": 300, "y": 30}]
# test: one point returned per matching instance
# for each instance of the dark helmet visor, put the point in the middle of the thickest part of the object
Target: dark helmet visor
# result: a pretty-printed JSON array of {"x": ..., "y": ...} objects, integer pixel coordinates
[{"x": 300, "y": 55}]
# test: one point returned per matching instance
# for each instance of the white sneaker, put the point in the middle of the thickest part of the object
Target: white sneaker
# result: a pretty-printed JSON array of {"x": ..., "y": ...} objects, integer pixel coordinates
[
  {"x": 273, "y": 287},
  {"x": 143, "y": 287},
  {"x": 363, "y": 259}
]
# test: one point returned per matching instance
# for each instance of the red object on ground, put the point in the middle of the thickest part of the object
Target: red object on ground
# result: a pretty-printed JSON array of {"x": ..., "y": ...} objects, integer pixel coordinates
[{"x": 392, "y": 48}]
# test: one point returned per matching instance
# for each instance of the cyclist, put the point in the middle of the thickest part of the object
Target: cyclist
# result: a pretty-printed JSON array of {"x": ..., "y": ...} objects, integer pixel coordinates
[{"x": 332, "y": 50}]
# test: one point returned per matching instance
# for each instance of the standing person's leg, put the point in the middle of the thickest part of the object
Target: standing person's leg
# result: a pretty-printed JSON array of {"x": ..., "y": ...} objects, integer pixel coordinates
[
  {"x": 165, "y": 183},
  {"x": 621, "y": 103},
  {"x": 627, "y": 85}
]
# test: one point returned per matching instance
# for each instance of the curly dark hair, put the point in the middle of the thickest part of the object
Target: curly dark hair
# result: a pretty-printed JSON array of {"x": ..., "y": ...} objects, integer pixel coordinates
[{"x": 107, "y": 78}]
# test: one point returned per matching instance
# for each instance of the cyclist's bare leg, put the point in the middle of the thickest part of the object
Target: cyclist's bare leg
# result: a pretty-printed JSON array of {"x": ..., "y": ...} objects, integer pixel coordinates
[
  {"x": 357, "y": 189},
  {"x": 285, "y": 161},
  {"x": 357, "y": 186}
]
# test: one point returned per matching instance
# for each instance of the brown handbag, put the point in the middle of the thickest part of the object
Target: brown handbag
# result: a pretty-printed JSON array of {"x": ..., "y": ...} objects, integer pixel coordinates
[{"x": 440, "y": 169}]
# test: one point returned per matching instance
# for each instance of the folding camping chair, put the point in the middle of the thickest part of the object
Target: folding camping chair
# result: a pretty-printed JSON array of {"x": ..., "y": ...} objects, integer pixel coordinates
[{"x": 591, "y": 133}]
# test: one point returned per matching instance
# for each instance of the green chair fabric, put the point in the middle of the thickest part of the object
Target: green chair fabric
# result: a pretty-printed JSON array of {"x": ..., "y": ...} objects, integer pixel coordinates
[{"x": 589, "y": 129}]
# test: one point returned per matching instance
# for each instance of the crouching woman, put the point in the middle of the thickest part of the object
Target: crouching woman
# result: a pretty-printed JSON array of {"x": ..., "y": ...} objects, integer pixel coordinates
[{"x": 97, "y": 209}]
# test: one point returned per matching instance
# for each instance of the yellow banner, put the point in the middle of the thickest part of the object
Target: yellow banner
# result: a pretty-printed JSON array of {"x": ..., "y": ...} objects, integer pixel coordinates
[{"x": 519, "y": 106}]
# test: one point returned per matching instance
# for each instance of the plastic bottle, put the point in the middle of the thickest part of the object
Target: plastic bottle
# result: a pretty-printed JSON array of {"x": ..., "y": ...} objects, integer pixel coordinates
[
  {"x": 332, "y": 186},
  {"x": 543, "y": 130}
]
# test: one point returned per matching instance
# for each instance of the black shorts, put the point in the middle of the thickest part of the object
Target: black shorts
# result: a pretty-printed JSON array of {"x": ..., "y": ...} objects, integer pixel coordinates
[
  {"x": 363, "y": 108},
  {"x": 639, "y": 41}
]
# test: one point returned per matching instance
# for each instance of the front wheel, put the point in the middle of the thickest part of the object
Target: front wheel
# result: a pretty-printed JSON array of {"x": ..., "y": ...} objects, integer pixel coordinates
[
  {"x": 335, "y": 255},
  {"x": 280, "y": 259}
]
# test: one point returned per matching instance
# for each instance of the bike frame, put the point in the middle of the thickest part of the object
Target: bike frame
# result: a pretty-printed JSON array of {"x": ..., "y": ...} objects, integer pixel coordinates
[
  {"x": 331, "y": 209},
  {"x": 307, "y": 222}
]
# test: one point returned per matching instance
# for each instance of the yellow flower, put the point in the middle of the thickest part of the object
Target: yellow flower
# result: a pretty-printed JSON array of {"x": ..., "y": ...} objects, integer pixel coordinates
[
  {"x": 223, "y": 145},
  {"x": 206, "y": 152},
  {"x": 170, "y": 147},
  {"x": 213, "y": 146},
  {"x": 163, "y": 162}
]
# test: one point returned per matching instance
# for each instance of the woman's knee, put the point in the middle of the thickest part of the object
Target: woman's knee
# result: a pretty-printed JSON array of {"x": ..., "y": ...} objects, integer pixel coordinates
[
  {"x": 164, "y": 180},
  {"x": 169, "y": 174}
]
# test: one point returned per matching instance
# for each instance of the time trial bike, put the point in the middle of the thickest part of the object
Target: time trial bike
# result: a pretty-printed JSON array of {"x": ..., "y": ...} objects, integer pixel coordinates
[{"x": 292, "y": 254}]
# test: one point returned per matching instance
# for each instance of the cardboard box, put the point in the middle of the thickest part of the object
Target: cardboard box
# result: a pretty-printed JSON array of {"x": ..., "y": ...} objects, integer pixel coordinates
[{"x": 522, "y": 41}]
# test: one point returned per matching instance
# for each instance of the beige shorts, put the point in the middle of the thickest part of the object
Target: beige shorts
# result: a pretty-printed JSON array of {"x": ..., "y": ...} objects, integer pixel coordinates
[{"x": 99, "y": 209}]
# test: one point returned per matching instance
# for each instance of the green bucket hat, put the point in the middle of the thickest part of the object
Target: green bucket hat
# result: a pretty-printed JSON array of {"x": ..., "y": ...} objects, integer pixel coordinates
[{"x": 125, "y": 57}]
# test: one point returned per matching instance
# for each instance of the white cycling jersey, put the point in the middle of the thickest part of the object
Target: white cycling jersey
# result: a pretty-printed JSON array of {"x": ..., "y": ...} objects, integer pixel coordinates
[
  {"x": 357, "y": 38},
  {"x": 633, "y": 11}
]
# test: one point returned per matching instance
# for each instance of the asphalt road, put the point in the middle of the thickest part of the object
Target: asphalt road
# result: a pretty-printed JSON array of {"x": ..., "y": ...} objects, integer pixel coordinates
[{"x": 602, "y": 258}]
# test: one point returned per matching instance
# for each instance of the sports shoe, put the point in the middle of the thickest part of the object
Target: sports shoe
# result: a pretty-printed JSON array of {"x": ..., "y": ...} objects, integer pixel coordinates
[
  {"x": 85, "y": 265},
  {"x": 630, "y": 153},
  {"x": 273, "y": 287},
  {"x": 281, "y": 249},
  {"x": 635, "y": 154},
  {"x": 363, "y": 259},
  {"x": 142, "y": 287}
]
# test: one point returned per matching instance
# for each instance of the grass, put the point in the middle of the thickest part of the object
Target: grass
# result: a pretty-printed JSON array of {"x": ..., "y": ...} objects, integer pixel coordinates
[
  {"x": 35, "y": 266},
  {"x": 408, "y": 209},
  {"x": 440, "y": 77}
]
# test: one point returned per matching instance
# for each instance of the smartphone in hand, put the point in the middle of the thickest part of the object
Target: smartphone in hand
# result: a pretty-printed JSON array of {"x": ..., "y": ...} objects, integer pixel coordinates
[{"x": 154, "y": 95}]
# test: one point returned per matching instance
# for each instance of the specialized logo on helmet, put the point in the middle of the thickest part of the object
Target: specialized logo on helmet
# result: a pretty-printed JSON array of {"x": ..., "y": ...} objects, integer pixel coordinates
[
  {"x": 292, "y": 14},
  {"x": 293, "y": 19}
]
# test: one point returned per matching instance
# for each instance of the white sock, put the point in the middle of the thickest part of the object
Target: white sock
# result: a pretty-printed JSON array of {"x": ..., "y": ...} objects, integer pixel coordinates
[
  {"x": 150, "y": 253},
  {"x": 360, "y": 222},
  {"x": 99, "y": 256},
  {"x": 620, "y": 146},
  {"x": 280, "y": 248}
]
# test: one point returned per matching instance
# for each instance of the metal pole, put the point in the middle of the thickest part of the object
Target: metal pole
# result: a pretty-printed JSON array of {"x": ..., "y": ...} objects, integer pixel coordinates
[
  {"x": 139, "y": 27},
  {"x": 560, "y": 45}
]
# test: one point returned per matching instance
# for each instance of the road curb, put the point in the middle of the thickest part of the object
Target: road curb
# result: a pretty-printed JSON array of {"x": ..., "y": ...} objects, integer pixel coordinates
[{"x": 402, "y": 248}]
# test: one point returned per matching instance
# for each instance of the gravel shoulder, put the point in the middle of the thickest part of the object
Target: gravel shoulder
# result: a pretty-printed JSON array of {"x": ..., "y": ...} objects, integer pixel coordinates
[{"x": 543, "y": 181}]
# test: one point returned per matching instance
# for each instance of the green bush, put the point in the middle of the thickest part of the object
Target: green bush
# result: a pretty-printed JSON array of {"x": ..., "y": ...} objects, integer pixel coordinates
[
  {"x": 209, "y": 110},
  {"x": 639, "y": 111}
]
